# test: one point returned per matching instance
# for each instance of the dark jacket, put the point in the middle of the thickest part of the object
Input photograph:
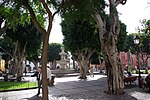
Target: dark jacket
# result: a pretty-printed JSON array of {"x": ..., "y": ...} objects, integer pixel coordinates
[{"x": 36, "y": 75}]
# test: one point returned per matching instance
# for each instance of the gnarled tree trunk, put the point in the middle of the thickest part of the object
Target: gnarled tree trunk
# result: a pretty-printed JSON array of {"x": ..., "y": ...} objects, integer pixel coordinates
[
  {"x": 109, "y": 40},
  {"x": 82, "y": 66},
  {"x": 83, "y": 61},
  {"x": 19, "y": 55}
]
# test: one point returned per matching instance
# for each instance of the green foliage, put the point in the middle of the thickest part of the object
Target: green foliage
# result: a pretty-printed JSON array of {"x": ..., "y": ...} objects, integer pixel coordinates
[
  {"x": 145, "y": 36},
  {"x": 133, "y": 71},
  {"x": 122, "y": 39},
  {"x": 79, "y": 34},
  {"x": 143, "y": 46},
  {"x": 24, "y": 35},
  {"x": 15, "y": 14},
  {"x": 53, "y": 52},
  {"x": 85, "y": 7},
  {"x": 130, "y": 43}
]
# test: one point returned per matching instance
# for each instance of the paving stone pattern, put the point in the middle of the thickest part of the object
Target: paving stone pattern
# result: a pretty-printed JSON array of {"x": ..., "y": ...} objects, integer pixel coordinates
[{"x": 72, "y": 88}]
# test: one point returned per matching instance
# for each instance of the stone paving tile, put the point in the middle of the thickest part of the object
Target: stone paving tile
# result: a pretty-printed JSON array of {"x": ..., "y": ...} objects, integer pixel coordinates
[
  {"x": 71, "y": 88},
  {"x": 58, "y": 92},
  {"x": 76, "y": 90},
  {"x": 94, "y": 88}
]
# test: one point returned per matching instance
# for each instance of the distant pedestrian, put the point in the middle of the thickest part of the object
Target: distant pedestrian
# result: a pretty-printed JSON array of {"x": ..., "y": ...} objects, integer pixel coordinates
[{"x": 91, "y": 71}]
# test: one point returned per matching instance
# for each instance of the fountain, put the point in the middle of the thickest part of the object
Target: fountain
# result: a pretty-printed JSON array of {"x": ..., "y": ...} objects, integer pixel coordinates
[
  {"x": 63, "y": 61},
  {"x": 63, "y": 69}
]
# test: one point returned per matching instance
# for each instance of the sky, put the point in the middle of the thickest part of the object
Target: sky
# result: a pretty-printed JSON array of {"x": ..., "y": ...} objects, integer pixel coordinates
[{"x": 131, "y": 13}]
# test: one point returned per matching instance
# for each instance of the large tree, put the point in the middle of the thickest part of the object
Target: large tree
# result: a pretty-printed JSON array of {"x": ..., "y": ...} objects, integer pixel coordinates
[
  {"x": 24, "y": 42},
  {"x": 39, "y": 11},
  {"x": 81, "y": 38},
  {"x": 43, "y": 5},
  {"x": 109, "y": 40}
]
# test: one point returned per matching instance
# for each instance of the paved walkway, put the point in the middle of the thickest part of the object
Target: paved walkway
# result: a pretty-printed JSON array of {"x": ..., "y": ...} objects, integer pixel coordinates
[{"x": 72, "y": 88}]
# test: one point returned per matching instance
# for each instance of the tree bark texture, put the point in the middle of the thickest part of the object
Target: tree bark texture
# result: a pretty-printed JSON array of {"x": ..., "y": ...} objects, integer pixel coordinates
[
  {"x": 82, "y": 66},
  {"x": 18, "y": 56},
  {"x": 83, "y": 61},
  {"x": 109, "y": 40}
]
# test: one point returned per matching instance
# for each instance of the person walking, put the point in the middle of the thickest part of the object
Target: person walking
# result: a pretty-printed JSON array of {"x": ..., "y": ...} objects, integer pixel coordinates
[
  {"x": 91, "y": 71},
  {"x": 48, "y": 75}
]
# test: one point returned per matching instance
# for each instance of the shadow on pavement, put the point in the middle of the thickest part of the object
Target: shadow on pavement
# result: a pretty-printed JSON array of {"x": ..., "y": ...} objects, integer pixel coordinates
[
  {"x": 85, "y": 90},
  {"x": 34, "y": 98},
  {"x": 129, "y": 86}
]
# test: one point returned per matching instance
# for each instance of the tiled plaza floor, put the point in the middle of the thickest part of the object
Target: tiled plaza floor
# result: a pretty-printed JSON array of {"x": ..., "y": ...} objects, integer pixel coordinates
[{"x": 72, "y": 88}]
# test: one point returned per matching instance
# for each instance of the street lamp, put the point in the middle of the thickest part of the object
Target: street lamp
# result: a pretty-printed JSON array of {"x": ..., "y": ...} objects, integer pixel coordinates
[{"x": 136, "y": 42}]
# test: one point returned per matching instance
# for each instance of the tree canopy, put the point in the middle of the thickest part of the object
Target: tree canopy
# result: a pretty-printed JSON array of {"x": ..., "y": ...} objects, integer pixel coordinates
[{"x": 53, "y": 52}]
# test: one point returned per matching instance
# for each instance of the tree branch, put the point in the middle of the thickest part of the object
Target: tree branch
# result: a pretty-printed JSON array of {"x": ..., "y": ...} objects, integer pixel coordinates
[
  {"x": 62, "y": 3},
  {"x": 101, "y": 25},
  {"x": 49, "y": 15},
  {"x": 46, "y": 8},
  {"x": 123, "y": 2},
  {"x": 33, "y": 17}
]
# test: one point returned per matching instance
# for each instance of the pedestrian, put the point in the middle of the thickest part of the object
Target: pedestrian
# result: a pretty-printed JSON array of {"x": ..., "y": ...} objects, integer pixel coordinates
[
  {"x": 39, "y": 79},
  {"x": 91, "y": 71},
  {"x": 48, "y": 75}
]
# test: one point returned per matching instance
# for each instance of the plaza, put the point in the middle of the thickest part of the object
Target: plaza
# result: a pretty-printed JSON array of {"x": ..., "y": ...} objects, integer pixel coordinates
[{"x": 72, "y": 88}]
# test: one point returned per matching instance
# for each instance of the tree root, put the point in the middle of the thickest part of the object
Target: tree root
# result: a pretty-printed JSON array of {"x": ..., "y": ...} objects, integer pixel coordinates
[
  {"x": 119, "y": 92},
  {"x": 82, "y": 77}
]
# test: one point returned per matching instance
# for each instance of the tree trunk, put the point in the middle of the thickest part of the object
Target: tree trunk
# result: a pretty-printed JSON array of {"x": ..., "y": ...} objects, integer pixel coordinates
[
  {"x": 114, "y": 73},
  {"x": 82, "y": 66},
  {"x": 44, "y": 66},
  {"x": 19, "y": 69},
  {"x": 109, "y": 40},
  {"x": 83, "y": 61},
  {"x": 19, "y": 55}
]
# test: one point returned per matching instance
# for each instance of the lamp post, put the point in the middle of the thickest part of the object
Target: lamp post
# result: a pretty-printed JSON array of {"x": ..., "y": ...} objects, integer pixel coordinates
[{"x": 136, "y": 42}]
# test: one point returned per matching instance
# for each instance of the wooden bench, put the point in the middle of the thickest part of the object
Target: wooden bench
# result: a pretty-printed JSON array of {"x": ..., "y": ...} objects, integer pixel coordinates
[{"x": 130, "y": 79}]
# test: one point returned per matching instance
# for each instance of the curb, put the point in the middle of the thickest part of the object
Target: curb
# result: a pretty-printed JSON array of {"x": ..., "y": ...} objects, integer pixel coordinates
[{"x": 18, "y": 89}]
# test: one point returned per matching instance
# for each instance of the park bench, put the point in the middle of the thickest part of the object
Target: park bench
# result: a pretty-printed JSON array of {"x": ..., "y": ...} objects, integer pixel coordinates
[{"x": 130, "y": 79}]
